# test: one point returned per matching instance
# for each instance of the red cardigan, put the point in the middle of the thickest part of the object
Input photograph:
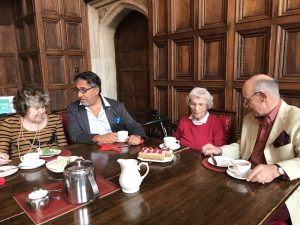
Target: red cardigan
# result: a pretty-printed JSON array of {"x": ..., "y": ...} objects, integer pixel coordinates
[{"x": 195, "y": 136}]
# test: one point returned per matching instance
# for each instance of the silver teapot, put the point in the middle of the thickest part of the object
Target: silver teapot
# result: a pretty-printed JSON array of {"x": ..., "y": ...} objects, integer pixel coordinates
[{"x": 80, "y": 182}]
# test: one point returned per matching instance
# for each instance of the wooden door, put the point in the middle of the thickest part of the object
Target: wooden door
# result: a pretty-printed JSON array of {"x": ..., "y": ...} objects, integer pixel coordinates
[{"x": 131, "y": 44}]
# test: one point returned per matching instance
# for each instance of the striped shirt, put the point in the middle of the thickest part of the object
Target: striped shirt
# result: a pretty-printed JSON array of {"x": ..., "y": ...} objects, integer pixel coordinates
[{"x": 13, "y": 137}]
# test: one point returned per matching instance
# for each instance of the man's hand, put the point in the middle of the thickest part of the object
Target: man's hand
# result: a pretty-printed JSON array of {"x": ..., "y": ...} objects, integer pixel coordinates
[
  {"x": 263, "y": 174},
  {"x": 4, "y": 158},
  {"x": 134, "y": 139},
  {"x": 106, "y": 138},
  {"x": 209, "y": 149}
]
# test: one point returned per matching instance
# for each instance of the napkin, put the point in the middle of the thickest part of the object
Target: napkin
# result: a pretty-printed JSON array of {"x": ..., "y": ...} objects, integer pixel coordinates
[
  {"x": 109, "y": 147},
  {"x": 2, "y": 180}
]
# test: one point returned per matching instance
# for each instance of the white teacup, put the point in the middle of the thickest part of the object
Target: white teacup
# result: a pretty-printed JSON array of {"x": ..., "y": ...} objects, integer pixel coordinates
[
  {"x": 122, "y": 135},
  {"x": 240, "y": 167},
  {"x": 170, "y": 142},
  {"x": 30, "y": 158}
]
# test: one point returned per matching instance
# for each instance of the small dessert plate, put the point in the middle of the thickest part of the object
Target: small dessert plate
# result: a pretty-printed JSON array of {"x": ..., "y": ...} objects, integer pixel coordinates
[
  {"x": 8, "y": 170},
  {"x": 25, "y": 166},
  {"x": 234, "y": 175},
  {"x": 222, "y": 161}
]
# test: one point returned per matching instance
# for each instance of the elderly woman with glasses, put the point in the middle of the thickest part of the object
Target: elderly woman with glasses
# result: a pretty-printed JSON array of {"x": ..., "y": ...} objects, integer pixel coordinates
[
  {"x": 199, "y": 127},
  {"x": 31, "y": 128}
]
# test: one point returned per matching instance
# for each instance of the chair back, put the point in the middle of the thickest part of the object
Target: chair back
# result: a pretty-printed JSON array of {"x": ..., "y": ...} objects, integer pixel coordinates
[
  {"x": 64, "y": 118},
  {"x": 229, "y": 120}
]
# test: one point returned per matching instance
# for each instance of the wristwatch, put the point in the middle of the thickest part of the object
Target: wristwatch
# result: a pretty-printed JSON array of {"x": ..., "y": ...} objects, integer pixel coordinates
[{"x": 280, "y": 170}]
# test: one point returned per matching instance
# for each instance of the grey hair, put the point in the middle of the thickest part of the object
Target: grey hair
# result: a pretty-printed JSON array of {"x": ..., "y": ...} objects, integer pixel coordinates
[
  {"x": 198, "y": 92},
  {"x": 269, "y": 85}
]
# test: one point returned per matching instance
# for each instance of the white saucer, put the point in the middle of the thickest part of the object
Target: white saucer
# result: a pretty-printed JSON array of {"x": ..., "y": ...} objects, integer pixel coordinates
[
  {"x": 39, "y": 163},
  {"x": 177, "y": 146},
  {"x": 9, "y": 170},
  {"x": 234, "y": 175},
  {"x": 122, "y": 140},
  {"x": 222, "y": 161}
]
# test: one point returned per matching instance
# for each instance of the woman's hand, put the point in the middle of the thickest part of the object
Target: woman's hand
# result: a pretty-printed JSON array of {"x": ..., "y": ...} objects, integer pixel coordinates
[
  {"x": 4, "y": 158},
  {"x": 209, "y": 149}
]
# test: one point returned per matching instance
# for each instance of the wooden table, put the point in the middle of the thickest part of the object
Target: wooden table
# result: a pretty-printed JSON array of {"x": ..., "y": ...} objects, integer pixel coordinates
[{"x": 179, "y": 192}]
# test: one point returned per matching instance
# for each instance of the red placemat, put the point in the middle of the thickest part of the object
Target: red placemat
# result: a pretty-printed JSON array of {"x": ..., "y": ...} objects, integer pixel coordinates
[
  {"x": 59, "y": 207},
  {"x": 207, "y": 165},
  {"x": 64, "y": 152}
]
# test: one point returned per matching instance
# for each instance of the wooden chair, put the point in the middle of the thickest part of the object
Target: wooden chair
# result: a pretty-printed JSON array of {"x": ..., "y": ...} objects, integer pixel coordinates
[
  {"x": 229, "y": 121},
  {"x": 64, "y": 118}
]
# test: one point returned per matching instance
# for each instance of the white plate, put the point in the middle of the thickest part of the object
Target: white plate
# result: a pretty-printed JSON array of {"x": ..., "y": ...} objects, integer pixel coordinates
[
  {"x": 166, "y": 159},
  {"x": 9, "y": 170},
  {"x": 177, "y": 146},
  {"x": 58, "y": 165},
  {"x": 57, "y": 152},
  {"x": 222, "y": 161},
  {"x": 234, "y": 175},
  {"x": 39, "y": 163}
]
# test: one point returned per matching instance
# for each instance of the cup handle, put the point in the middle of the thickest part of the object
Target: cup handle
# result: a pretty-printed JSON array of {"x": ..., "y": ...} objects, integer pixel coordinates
[
  {"x": 177, "y": 142},
  {"x": 22, "y": 158},
  {"x": 93, "y": 185},
  {"x": 145, "y": 164}
]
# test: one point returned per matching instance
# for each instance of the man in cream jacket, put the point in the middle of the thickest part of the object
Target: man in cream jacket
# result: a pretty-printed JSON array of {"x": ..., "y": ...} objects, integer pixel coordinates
[{"x": 270, "y": 140}]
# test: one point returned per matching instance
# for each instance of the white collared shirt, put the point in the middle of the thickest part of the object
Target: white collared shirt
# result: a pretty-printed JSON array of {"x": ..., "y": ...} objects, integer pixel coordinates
[
  {"x": 99, "y": 124},
  {"x": 201, "y": 121}
]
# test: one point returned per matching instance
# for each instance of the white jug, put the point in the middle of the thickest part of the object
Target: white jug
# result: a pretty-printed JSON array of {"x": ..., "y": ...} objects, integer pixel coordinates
[{"x": 130, "y": 178}]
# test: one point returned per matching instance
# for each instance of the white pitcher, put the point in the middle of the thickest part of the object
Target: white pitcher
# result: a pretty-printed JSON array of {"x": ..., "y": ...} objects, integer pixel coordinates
[{"x": 130, "y": 178}]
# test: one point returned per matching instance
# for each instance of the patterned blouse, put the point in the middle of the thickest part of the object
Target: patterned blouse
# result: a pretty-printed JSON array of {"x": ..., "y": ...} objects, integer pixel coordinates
[{"x": 16, "y": 140}]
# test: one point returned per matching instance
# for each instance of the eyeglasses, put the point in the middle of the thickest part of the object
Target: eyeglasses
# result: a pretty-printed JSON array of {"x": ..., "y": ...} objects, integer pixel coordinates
[
  {"x": 246, "y": 100},
  {"x": 82, "y": 91},
  {"x": 195, "y": 105}
]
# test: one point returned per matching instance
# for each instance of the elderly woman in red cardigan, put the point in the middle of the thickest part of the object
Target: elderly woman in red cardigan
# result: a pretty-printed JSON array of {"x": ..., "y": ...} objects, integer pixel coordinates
[{"x": 198, "y": 127}]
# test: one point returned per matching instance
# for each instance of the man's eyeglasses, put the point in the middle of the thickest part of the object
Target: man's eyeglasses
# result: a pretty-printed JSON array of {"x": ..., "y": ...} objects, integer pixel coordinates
[
  {"x": 82, "y": 91},
  {"x": 246, "y": 100}
]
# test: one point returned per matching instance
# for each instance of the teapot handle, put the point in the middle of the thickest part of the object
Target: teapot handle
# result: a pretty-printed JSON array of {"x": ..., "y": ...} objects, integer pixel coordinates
[
  {"x": 145, "y": 164},
  {"x": 93, "y": 184}
]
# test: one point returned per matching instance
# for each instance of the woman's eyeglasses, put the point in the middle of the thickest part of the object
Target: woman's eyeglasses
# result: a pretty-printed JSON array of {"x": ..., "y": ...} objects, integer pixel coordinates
[{"x": 82, "y": 91}]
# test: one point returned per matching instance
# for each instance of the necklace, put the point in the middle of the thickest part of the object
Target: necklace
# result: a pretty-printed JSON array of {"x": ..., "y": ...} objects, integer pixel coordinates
[{"x": 37, "y": 134}]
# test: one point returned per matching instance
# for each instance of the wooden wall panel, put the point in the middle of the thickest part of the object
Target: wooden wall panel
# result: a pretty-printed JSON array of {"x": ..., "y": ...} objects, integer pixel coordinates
[
  {"x": 289, "y": 7},
  {"x": 74, "y": 37},
  {"x": 252, "y": 52},
  {"x": 76, "y": 64},
  {"x": 161, "y": 97},
  {"x": 212, "y": 57},
  {"x": 161, "y": 61},
  {"x": 184, "y": 59},
  {"x": 288, "y": 53},
  {"x": 250, "y": 10},
  {"x": 56, "y": 69},
  {"x": 21, "y": 41},
  {"x": 219, "y": 15},
  {"x": 179, "y": 107},
  {"x": 182, "y": 15},
  {"x": 32, "y": 42},
  {"x": 72, "y": 8},
  {"x": 52, "y": 7},
  {"x": 52, "y": 34},
  {"x": 160, "y": 25},
  {"x": 8, "y": 72},
  {"x": 59, "y": 100}
]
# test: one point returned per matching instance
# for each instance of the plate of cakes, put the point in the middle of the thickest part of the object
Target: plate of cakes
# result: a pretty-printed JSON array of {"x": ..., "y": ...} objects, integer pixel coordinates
[{"x": 161, "y": 155}]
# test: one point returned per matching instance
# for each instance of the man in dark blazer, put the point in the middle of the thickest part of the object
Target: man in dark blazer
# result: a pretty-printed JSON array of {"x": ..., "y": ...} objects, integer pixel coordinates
[{"x": 96, "y": 119}]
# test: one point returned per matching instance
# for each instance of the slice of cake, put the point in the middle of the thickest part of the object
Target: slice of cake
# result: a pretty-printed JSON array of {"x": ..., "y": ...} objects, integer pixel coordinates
[{"x": 153, "y": 154}]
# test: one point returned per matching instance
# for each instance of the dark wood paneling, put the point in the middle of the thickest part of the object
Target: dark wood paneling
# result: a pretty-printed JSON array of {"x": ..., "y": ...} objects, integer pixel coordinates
[
  {"x": 52, "y": 7},
  {"x": 182, "y": 15},
  {"x": 160, "y": 25},
  {"x": 73, "y": 8},
  {"x": 74, "y": 35},
  {"x": 252, "y": 52},
  {"x": 59, "y": 100},
  {"x": 212, "y": 57},
  {"x": 76, "y": 65},
  {"x": 219, "y": 15},
  {"x": 161, "y": 99},
  {"x": 250, "y": 10},
  {"x": 56, "y": 69},
  {"x": 52, "y": 34},
  {"x": 184, "y": 59},
  {"x": 288, "y": 52},
  {"x": 179, "y": 107},
  {"x": 32, "y": 33},
  {"x": 289, "y": 7},
  {"x": 161, "y": 61}
]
